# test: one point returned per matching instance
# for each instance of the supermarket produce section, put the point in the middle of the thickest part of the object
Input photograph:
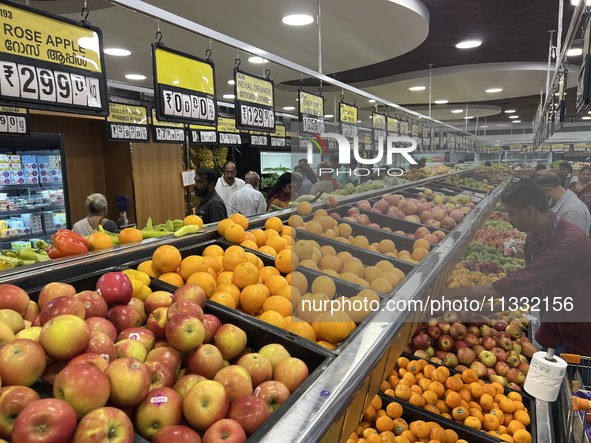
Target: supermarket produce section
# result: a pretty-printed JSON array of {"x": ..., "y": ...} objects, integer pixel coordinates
[{"x": 343, "y": 382}]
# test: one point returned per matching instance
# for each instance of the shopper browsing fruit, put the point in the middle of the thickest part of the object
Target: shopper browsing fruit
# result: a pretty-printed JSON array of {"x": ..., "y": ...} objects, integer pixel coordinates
[
  {"x": 229, "y": 183},
  {"x": 211, "y": 207},
  {"x": 306, "y": 186},
  {"x": 582, "y": 187},
  {"x": 327, "y": 183},
  {"x": 296, "y": 185},
  {"x": 558, "y": 262},
  {"x": 96, "y": 206},
  {"x": 567, "y": 169},
  {"x": 248, "y": 201},
  {"x": 280, "y": 193}
]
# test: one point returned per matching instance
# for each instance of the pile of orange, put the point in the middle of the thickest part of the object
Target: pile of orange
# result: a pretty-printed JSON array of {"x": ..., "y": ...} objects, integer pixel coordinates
[
  {"x": 383, "y": 423},
  {"x": 130, "y": 235},
  {"x": 324, "y": 225},
  {"x": 461, "y": 397}
]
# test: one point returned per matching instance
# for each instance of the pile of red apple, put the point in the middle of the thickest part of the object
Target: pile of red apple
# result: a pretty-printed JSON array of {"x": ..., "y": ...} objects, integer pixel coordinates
[
  {"x": 498, "y": 215},
  {"x": 494, "y": 347},
  {"x": 116, "y": 363},
  {"x": 495, "y": 237}
]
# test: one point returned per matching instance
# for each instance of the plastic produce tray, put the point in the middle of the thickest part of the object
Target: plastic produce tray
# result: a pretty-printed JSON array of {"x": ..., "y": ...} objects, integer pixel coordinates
[
  {"x": 343, "y": 288},
  {"x": 258, "y": 333},
  {"x": 398, "y": 224}
]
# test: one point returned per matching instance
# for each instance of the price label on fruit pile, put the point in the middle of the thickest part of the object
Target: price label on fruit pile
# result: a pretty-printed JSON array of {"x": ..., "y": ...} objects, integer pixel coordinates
[
  {"x": 166, "y": 131},
  {"x": 378, "y": 124},
  {"x": 50, "y": 62},
  {"x": 259, "y": 139},
  {"x": 184, "y": 87},
  {"x": 14, "y": 121},
  {"x": 278, "y": 137},
  {"x": 227, "y": 132},
  {"x": 127, "y": 123},
  {"x": 203, "y": 135},
  {"x": 311, "y": 113},
  {"x": 255, "y": 102},
  {"x": 348, "y": 120}
]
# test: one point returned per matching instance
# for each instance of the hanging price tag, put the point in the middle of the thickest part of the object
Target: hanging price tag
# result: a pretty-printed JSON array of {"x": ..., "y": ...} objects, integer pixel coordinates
[
  {"x": 311, "y": 113},
  {"x": 255, "y": 102},
  {"x": 278, "y": 137},
  {"x": 127, "y": 123},
  {"x": 202, "y": 135},
  {"x": 259, "y": 139},
  {"x": 378, "y": 123},
  {"x": 14, "y": 121},
  {"x": 348, "y": 120},
  {"x": 166, "y": 131},
  {"x": 393, "y": 126},
  {"x": 227, "y": 132}
]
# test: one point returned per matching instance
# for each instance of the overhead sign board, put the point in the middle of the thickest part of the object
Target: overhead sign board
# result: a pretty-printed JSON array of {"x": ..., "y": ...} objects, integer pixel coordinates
[
  {"x": 259, "y": 139},
  {"x": 378, "y": 123},
  {"x": 167, "y": 131},
  {"x": 14, "y": 121},
  {"x": 393, "y": 126},
  {"x": 310, "y": 112},
  {"x": 348, "y": 120},
  {"x": 227, "y": 132},
  {"x": 203, "y": 135},
  {"x": 184, "y": 87},
  {"x": 255, "y": 102},
  {"x": 127, "y": 123},
  {"x": 278, "y": 139}
]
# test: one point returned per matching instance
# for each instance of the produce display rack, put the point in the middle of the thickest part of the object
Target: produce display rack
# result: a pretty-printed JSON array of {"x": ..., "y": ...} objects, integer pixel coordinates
[{"x": 344, "y": 383}]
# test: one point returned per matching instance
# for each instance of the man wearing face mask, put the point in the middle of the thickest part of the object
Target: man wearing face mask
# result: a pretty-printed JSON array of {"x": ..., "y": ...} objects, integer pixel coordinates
[{"x": 562, "y": 201}]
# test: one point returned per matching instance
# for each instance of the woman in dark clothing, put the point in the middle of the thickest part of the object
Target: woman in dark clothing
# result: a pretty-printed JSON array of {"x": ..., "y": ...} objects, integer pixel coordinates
[
  {"x": 583, "y": 187},
  {"x": 281, "y": 192}
]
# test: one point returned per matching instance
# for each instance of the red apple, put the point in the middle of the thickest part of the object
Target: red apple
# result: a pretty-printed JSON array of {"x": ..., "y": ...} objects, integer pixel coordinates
[
  {"x": 12, "y": 319},
  {"x": 439, "y": 234},
  {"x": 95, "y": 305},
  {"x": 291, "y": 372},
  {"x": 235, "y": 380},
  {"x": 258, "y": 367},
  {"x": 53, "y": 290},
  {"x": 115, "y": 288},
  {"x": 250, "y": 412},
  {"x": 48, "y": 421},
  {"x": 275, "y": 353},
  {"x": 22, "y": 362},
  {"x": 52, "y": 370},
  {"x": 273, "y": 393},
  {"x": 184, "y": 307},
  {"x": 6, "y": 334},
  {"x": 103, "y": 325},
  {"x": 206, "y": 360},
  {"x": 211, "y": 324},
  {"x": 123, "y": 317},
  {"x": 192, "y": 293},
  {"x": 161, "y": 375},
  {"x": 138, "y": 306},
  {"x": 225, "y": 431},
  {"x": 32, "y": 311},
  {"x": 185, "y": 383},
  {"x": 176, "y": 434},
  {"x": 90, "y": 359},
  {"x": 230, "y": 340},
  {"x": 104, "y": 425},
  {"x": 157, "y": 299},
  {"x": 131, "y": 348},
  {"x": 13, "y": 399},
  {"x": 185, "y": 332},
  {"x": 83, "y": 387},
  {"x": 206, "y": 404},
  {"x": 167, "y": 356},
  {"x": 130, "y": 381},
  {"x": 64, "y": 337},
  {"x": 63, "y": 305},
  {"x": 143, "y": 335},
  {"x": 157, "y": 322},
  {"x": 102, "y": 345},
  {"x": 13, "y": 297},
  {"x": 162, "y": 407}
]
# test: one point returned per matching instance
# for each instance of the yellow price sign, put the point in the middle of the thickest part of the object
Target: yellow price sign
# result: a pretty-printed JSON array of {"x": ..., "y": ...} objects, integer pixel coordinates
[
  {"x": 202, "y": 135},
  {"x": 127, "y": 123},
  {"x": 167, "y": 131},
  {"x": 378, "y": 121},
  {"x": 255, "y": 102},
  {"x": 347, "y": 113},
  {"x": 393, "y": 124}
]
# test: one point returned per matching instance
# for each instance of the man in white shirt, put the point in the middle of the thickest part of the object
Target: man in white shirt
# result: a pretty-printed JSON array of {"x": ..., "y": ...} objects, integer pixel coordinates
[
  {"x": 228, "y": 184},
  {"x": 248, "y": 200}
]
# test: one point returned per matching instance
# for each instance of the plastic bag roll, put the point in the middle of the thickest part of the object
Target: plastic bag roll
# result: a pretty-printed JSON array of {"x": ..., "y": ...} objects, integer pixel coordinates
[{"x": 545, "y": 377}]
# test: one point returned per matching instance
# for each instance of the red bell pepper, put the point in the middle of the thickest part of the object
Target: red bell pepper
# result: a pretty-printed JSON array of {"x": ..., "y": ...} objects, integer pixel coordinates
[{"x": 64, "y": 243}]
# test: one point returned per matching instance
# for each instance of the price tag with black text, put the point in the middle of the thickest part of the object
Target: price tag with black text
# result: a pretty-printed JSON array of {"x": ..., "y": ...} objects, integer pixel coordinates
[
  {"x": 311, "y": 113},
  {"x": 128, "y": 123},
  {"x": 255, "y": 102},
  {"x": 14, "y": 121},
  {"x": 166, "y": 131}
]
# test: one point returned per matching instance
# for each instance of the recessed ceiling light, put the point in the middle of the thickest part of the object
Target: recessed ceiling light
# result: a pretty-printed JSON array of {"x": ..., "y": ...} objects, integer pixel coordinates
[
  {"x": 358, "y": 121},
  {"x": 231, "y": 82},
  {"x": 457, "y": 111},
  {"x": 516, "y": 121},
  {"x": 288, "y": 108},
  {"x": 441, "y": 102},
  {"x": 298, "y": 20},
  {"x": 257, "y": 59},
  {"x": 229, "y": 96},
  {"x": 493, "y": 90},
  {"x": 468, "y": 118},
  {"x": 586, "y": 118},
  {"x": 372, "y": 101},
  {"x": 135, "y": 77},
  {"x": 417, "y": 88},
  {"x": 573, "y": 52},
  {"x": 484, "y": 126},
  {"x": 328, "y": 116},
  {"x": 509, "y": 111},
  {"x": 468, "y": 44},
  {"x": 513, "y": 116},
  {"x": 117, "y": 52}
]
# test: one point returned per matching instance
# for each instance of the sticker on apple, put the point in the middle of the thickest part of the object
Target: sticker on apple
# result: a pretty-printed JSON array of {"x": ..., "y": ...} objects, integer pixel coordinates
[
  {"x": 105, "y": 356},
  {"x": 134, "y": 336},
  {"x": 159, "y": 400}
]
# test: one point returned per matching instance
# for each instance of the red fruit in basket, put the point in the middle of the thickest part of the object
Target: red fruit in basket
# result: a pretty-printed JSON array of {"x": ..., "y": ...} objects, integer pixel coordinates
[
  {"x": 52, "y": 370},
  {"x": 64, "y": 305},
  {"x": 422, "y": 341},
  {"x": 205, "y": 405},
  {"x": 22, "y": 362},
  {"x": 192, "y": 293},
  {"x": 162, "y": 407},
  {"x": 364, "y": 220},
  {"x": 206, "y": 360},
  {"x": 105, "y": 425},
  {"x": 138, "y": 306},
  {"x": 95, "y": 305},
  {"x": 167, "y": 356},
  {"x": 130, "y": 381},
  {"x": 161, "y": 375},
  {"x": 157, "y": 322},
  {"x": 124, "y": 317},
  {"x": 408, "y": 207},
  {"x": 448, "y": 223},
  {"x": 13, "y": 297},
  {"x": 13, "y": 399},
  {"x": 524, "y": 368},
  {"x": 258, "y": 367},
  {"x": 422, "y": 232},
  {"x": 115, "y": 288},
  {"x": 466, "y": 356},
  {"x": 101, "y": 345},
  {"x": 352, "y": 211},
  {"x": 331, "y": 202},
  {"x": 187, "y": 382},
  {"x": 230, "y": 340},
  {"x": 211, "y": 324},
  {"x": 64, "y": 337},
  {"x": 176, "y": 434},
  {"x": 434, "y": 224},
  {"x": 225, "y": 431},
  {"x": 48, "y": 421},
  {"x": 95, "y": 360},
  {"x": 250, "y": 412},
  {"x": 143, "y": 335},
  {"x": 99, "y": 324},
  {"x": 439, "y": 234},
  {"x": 54, "y": 290},
  {"x": 502, "y": 368},
  {"x": 292, "y": 372},
  {"x": 184, "y": 307},
  {"x": 235, "y": 380},
  {"x": 32, "y": 311},
  {"x": 273, "y": 393},
  {"x": 457, "y": 215},
  {"x": 382, "y": 205}
]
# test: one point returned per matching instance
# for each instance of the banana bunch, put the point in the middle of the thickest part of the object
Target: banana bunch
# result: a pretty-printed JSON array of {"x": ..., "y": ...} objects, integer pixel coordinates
[
  {"x": 205, "y": 158},
  {"x": 219, "y": 157}
]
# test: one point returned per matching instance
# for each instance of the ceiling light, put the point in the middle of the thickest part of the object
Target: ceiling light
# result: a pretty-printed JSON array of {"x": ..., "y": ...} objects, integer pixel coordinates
[
  {"x": 509, "y": 111},
  {"x": 298, "y": 20},
  {"x": 231, "y": 82},
  {"x": 586, "y": 118},
  {"x": 516, "y": 121},
  {"x": 417, "y": 88},
  {"x": 457, "y": 111},
  {"x": 441, "y": 102},
  {"x": 288, "y": 108},
  {"x": 135, "y": 77},
  {"x": 468, "y": 118},
  {"x": 257, "y": 59},
  {"x": 484, "y": 126},
  {"x": 493, "y": 90},
  {"x": 573, "y": 52},
  {"x": 468, "y": 44},
  {"x": 372, "y": 101},
  {"x": 117, "y": 52},
  {"x": 576, "y": 2},
  {"x": 513, "y": 116},
  {"x": 229, "y": 96},
  {"x": 358, "y": 121},
  {"x": 328, "y": 116}
]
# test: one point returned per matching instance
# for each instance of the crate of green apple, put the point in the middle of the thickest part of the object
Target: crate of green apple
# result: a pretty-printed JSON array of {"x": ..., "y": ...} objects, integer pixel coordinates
[
  {"x": 175, "y": 368},
  {"x": 495, "y": 347}
]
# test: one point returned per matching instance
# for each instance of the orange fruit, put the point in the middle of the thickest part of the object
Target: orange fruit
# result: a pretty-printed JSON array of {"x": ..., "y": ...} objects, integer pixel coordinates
[
  {"x": 192, "y": 264},
  {"x": 420, "y": 428},
  {"x": 223, "y": 225},
  {"x": 515, "y": 396},
  {"x": 245, "y": 274},
  {"x": 277, "y": 243},
  {"x": 394, "y": 410},
  {"x": 232, "y": 259},
  {"x": 172, "y": 278},
  {"x": 278, "y": 304},
  {"x": 491, "y": 422},
  {"x": 469, "y": 376},
  {"x": 224, "y": 277},
  {"x": 275, "y": 283},
  {"x": 148, "y": 268},
  {"x": 442, "y": 406},
  {"x": 452, "y": 437},
  {"x": 259, "y": 236},
  {"x": 268, "y": 250},
  {"x": 498, "y": 387},
  {"x": 437, "y": 434},
  {"x": 514, "y": 426},
  {"x": 421, "y": 243},
  {"x": 522, "y": 436},
  {"x": 326, "y": 344},
  {"x": 231, "y": 289},
  {"x": 99, "y": 240},
  {"x": 166, "y": 259},
  {"x": 274, "y": 318},
  {"x": 430, "y": 397},
  {"x": 192, "y": 220},
  {"x": 240, "y": 219},
  {"x": 473, "y": 422},
  {"x": 205, "y": 281},
  {"x": 454, "y": 384},
  {"x": 486, "y": 401},
  {"x": 249, "y": 244},
  {"x": 417, "y": 400},
  {"x": 234, "y": 233},
  {"x": 419, "y": 254},
  {"x": 475, "y": 389},
  {"x": 224, "y": 298},
  {"x": 212, "y": 263},
  {"x": 286, "y": 262},
  {"x": 130, "y": 235},
  {"x": 465, "y": 394},
  {"x": 299, "y": 281},
  {"x": 302, "y": 329},
  {"x": 252, "y": 298},
  {"x": 507, "y": 405},
  {"x": 453, "y": 399},
  {"x": 437, "y": 387},
  {"x": 488, "y": 389},
  {"x": 522, "y": 417},
  {"x": 384, "y": 423},
  {"x": 213, "y": 251},
  {"x": 267, "y": 272},
  {"x": 274, "y": 223}
]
